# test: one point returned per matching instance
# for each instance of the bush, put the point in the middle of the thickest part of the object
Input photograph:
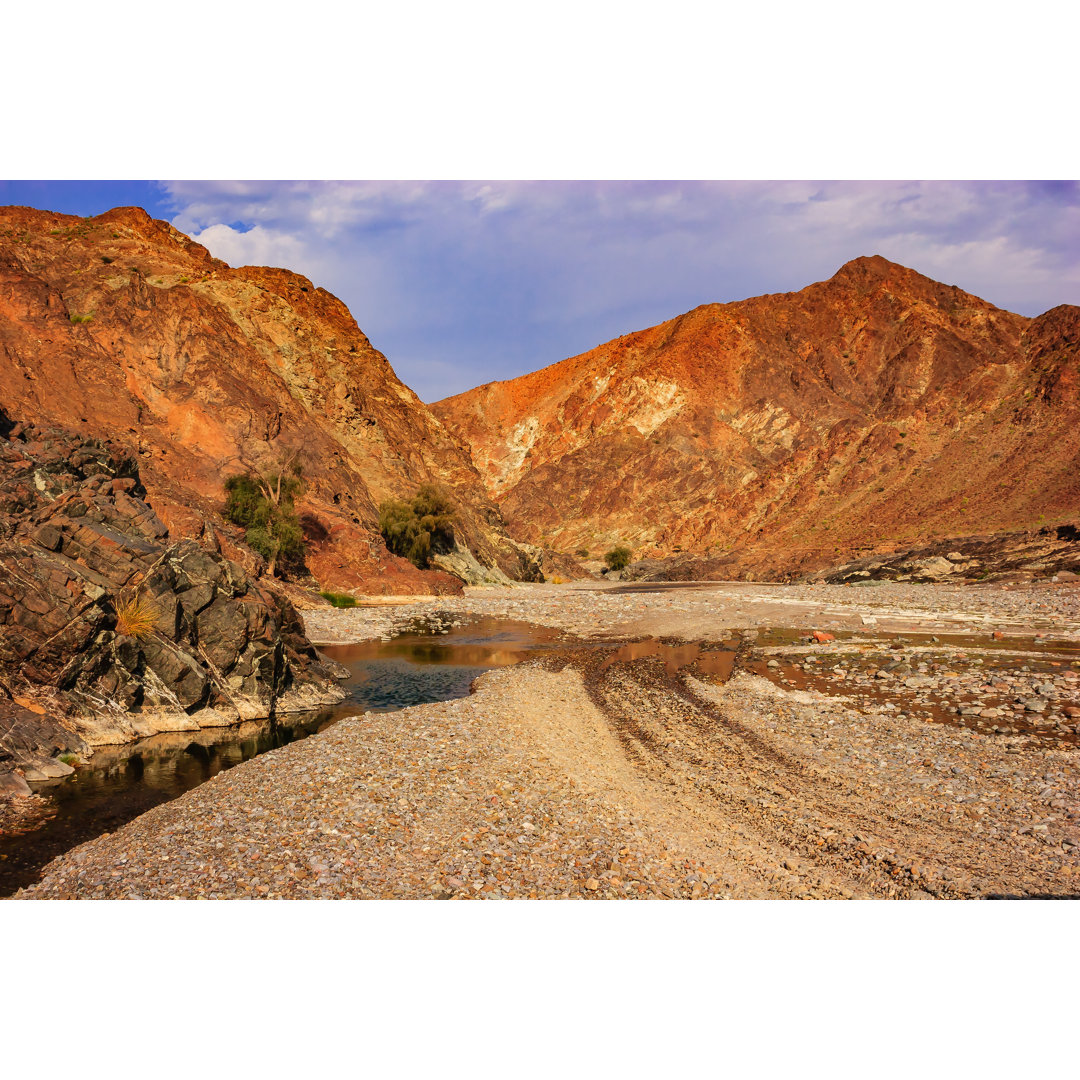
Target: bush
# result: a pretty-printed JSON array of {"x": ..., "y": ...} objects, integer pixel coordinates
[
  {"x": 339, "y": 599},
  {"x": 419, "y": 528},
  {"x": 618, "y": 558},
  {"x": 582, "y": 553},
  {"x": 264, "y": 506}
]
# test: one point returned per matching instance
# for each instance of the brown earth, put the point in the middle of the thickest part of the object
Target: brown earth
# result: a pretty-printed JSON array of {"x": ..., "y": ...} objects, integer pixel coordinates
[
  {"x": 121, "y": 327},
  {"x": 783, "y": 434}
]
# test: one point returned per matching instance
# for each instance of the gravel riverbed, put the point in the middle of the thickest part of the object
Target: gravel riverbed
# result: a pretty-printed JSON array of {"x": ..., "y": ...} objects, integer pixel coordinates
[{"x": 580, "y": 775}]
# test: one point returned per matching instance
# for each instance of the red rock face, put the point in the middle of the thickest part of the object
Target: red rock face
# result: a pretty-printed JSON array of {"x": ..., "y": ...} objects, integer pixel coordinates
[
  {"x": 874, "y": 410},
  {"x": 121, "y": 327}
]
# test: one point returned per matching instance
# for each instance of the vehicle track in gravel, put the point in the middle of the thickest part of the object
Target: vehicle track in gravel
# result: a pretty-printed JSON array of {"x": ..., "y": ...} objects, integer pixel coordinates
[{"x": 775, "y": 811}]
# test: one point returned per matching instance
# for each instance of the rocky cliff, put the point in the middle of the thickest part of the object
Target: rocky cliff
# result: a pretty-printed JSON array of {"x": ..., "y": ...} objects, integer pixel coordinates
[
  {"x": 110, "y": 630},
  {"x": 878, "y": 410},
  {"x": 120, "y": 327}
]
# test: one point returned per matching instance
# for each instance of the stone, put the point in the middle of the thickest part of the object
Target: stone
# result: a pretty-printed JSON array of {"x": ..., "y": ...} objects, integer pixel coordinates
[
  {"x": 13, "y": 785},
  {"x": 48, "y": 770}
]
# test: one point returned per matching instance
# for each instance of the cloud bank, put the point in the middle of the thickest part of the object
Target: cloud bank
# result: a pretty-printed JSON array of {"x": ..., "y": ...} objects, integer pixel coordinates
[{"x": 460, "y": 283}]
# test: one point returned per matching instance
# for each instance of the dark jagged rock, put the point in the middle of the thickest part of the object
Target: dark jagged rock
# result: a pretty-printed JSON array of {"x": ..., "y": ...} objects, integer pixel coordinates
[{"x": 108, "y": 632}]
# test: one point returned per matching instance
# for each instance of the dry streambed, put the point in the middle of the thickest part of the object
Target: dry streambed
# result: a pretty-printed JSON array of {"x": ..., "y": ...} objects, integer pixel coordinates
[{"x": 598, "y": 775}]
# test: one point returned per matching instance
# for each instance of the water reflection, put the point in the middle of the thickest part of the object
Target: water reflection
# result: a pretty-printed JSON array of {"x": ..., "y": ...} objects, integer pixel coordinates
[{"x": 719, "y": 662}]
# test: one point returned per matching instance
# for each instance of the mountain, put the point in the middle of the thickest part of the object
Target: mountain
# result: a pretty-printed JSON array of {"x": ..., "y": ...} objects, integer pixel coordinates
[
  {"x": 120, "y": 327},
  {"x": 781, "y": 434}
]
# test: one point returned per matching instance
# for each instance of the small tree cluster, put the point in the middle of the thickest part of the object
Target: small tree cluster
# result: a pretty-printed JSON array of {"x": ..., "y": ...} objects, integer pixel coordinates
[
  {"x": 618, "y": 558},
  {"x": 419, "y": 528},
  {"x": 264, "y": 506}
]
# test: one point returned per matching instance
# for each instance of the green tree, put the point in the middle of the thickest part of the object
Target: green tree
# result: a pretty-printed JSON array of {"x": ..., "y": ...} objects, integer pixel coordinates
[
  {"x": 264, "y": 505},
  {"x": 618, "y": 558},
  {"x": 419, "y": 528}
]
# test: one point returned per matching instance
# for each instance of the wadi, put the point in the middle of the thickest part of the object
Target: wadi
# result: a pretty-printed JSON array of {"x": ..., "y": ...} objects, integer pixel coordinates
[{"x": 779, "y": 598}]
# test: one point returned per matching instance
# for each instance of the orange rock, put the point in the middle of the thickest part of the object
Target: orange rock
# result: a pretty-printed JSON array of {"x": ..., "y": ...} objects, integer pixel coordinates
[
  {"x": 821, "y": 637},
  {"x": 205, "y": 370},
  {"x": 808, "y": 414}
]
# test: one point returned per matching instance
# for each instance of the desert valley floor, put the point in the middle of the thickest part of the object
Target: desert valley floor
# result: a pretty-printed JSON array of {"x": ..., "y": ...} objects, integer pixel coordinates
[{"x": 924, "y": 748}]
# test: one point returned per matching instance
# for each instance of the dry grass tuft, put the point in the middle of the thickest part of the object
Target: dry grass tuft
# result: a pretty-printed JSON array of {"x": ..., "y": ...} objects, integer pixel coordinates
[{"x": 136, "y": 617}]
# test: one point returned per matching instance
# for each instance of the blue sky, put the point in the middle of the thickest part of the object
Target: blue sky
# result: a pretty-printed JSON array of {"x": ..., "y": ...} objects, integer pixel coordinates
[{"x": 459, "y": 283}]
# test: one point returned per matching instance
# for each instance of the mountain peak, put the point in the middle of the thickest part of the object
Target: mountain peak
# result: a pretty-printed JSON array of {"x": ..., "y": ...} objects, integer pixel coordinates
[{"x": 875, "y": 268}]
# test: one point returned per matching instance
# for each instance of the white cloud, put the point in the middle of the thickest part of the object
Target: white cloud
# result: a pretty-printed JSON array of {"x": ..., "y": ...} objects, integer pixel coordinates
[{"x": 258, "y": 246}]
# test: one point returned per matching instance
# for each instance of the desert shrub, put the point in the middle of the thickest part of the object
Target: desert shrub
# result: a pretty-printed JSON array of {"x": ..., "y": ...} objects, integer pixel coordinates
[
  {"x": 264, "y": 506},
  {"x": 420, "y": 528},
  {"x": 618, "y": 558},
  {"x": 135, "y": 617},
  {"x": 81, "y": 318},
  {"x": 339, "y": 599},
  {"x": 582, "y": 553}
]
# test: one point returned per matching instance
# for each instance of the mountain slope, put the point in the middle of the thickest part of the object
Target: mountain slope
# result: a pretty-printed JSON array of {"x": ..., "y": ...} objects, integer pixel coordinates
[
  {"x": 782, "y": 432},
  {"x": 119, "y": 326}
]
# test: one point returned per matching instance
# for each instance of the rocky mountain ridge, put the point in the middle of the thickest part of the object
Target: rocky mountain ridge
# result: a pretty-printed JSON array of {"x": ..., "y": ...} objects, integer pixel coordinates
[{"x": 783, "y": 434}]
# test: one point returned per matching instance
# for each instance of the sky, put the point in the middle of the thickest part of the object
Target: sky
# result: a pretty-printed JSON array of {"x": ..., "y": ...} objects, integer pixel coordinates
[{"x": 462, "y": 283}]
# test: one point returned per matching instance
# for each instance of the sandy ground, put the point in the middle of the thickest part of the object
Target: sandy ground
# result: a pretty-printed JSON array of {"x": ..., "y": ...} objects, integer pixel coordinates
[{"x": 583, "y": 774}]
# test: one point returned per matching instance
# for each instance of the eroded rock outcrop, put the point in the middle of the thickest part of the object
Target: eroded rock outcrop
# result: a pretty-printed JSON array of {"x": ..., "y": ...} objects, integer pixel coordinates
[
  {"x": 1050, "y": 552},
  {"x": 109, "y": 631}
]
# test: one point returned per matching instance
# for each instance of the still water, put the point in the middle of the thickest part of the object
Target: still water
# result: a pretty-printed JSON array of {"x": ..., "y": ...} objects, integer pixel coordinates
[{"x": 119, "y": 783}]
